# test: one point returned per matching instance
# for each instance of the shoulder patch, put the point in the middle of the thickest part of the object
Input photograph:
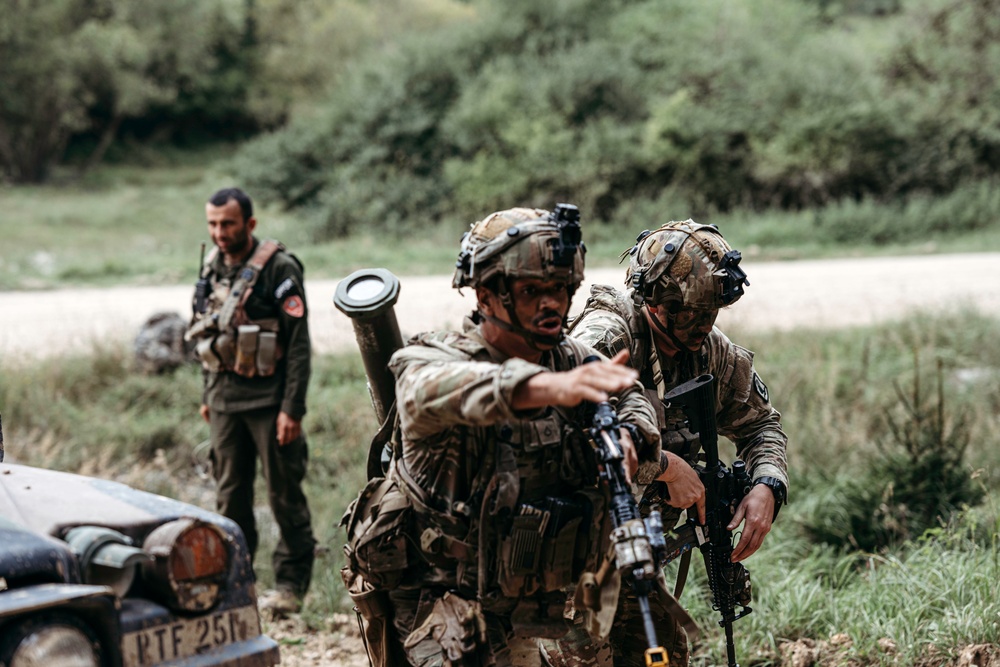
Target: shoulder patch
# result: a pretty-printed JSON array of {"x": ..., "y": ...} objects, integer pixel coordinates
[
  {"x": 760, "y": 387},
  {"x": 287, "y": 285},
  {"x": 294, "y": 307}
]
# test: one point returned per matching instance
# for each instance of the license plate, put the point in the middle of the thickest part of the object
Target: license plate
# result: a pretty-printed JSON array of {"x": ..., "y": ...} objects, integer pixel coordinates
[{"x": 188, "y": 637}]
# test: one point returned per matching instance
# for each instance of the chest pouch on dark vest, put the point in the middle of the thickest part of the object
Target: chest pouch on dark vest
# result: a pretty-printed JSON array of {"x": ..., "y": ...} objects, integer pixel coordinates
[
  {"x": 216, "y": 353},
  {"x": 227, "y": 339}
]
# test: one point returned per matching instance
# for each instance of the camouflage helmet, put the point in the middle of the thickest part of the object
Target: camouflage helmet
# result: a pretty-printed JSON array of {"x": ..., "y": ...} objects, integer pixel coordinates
[
  {"x": 685, "y": 265},
  {"x": 522, "y": 243}
]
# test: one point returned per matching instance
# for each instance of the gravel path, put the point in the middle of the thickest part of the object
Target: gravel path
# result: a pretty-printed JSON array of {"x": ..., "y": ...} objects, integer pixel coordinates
[{"x": 782, "y": 295}]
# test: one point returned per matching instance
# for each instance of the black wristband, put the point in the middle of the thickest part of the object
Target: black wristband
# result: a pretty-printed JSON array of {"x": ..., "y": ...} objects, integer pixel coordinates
[{"x": 777, "y": 488}]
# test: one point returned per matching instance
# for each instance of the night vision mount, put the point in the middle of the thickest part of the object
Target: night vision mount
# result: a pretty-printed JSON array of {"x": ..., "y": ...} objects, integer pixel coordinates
[
  {"x": 567, "y": 218},
  {"x": 733, "y": 278}
]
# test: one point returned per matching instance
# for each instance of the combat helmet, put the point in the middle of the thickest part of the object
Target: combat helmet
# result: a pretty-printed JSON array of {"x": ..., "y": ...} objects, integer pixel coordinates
[
  {"x": 684, "y": 264},
  {"x": 522, "y": 243}
]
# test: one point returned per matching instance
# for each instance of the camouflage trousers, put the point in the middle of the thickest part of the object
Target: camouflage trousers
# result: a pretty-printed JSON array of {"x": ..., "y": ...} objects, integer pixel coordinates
[
  {"x": 238, "y": 440},
  {"x": 626, "y": 646},
  {"x": 411, "y": 608}
]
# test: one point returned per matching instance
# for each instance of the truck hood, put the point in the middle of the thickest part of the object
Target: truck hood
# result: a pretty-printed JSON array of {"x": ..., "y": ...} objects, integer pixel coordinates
[{"x": 51, "y": 502}]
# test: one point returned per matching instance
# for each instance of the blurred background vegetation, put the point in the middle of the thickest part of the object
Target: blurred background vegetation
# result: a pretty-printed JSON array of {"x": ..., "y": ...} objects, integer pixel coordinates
[
  {"x": 880, "y": 118},
  {"x": 371, "y": 132}
]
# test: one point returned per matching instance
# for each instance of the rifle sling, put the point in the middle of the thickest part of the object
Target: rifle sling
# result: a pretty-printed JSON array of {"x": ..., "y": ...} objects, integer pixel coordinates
[
  {"x": 676, "y": 610},
  {"x": 232, "y": 308},
  {"x": 682, "y": 574}
]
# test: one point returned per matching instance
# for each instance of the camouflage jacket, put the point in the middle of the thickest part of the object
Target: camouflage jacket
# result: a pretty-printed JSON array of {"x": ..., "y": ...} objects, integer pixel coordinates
[
  {"x": 610, "y": 322},
  {"x": 467, "y": 453}
]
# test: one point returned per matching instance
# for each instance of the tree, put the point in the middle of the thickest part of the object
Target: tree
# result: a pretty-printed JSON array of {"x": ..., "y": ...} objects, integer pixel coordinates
[
  {"x": 40, "y": 105},
  {"x": 72, "y": 66}
]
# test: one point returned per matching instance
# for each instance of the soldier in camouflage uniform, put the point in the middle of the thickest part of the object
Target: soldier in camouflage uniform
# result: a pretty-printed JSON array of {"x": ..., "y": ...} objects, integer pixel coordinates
[
  {"x": 251, "y": 334},
  {"x": 492, "y": 452},
  {"x": 679, "y": 276}
]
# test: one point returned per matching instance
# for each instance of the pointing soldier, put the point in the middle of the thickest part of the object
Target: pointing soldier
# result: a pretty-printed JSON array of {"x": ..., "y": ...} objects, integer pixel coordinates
[
  {"x": 252, "y": 338},
  {"x": 490, "y": 451}
]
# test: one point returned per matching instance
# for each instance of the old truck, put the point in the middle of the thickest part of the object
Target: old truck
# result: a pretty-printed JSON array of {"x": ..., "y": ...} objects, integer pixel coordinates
[{"x": 94, "y": 573}]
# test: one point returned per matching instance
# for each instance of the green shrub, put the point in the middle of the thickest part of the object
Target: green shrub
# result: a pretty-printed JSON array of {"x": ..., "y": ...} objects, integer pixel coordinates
[
  {"x": 915, "y": 480},
  {"x": 616, "y": 106}
]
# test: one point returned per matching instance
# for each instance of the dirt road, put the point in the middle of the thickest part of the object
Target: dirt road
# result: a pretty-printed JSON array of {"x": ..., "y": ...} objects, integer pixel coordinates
[{"x": 782, "y": 295}]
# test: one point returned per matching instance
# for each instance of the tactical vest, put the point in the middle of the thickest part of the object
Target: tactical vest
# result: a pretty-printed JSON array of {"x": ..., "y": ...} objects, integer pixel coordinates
[
  {"x": 535, "y": 521},
  {"x": 674, "y": 433},
  {"x": 226, "y": 340}
]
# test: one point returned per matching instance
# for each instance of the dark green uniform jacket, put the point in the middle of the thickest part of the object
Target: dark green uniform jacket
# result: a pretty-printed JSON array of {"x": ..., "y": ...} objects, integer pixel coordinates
[{"x": 278, "y": 293}]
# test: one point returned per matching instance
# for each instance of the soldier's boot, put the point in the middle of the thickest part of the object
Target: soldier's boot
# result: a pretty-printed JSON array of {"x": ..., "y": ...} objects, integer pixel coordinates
[{"x": 279, "y": 603}]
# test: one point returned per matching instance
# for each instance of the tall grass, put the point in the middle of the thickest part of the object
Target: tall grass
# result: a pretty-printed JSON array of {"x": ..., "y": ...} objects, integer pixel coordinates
[
  {"x": 927, "y": 597},
  {"x": 920, "y": 604}
]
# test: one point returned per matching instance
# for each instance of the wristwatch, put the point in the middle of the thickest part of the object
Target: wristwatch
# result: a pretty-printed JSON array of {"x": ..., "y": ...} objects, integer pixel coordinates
[{"x": 777, "y": 488}]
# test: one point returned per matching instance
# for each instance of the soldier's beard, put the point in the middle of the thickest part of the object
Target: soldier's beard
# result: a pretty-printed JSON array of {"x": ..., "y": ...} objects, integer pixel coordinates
[
  {"x": 239, "y": 246},
  {"x": 535, "y": 340}
]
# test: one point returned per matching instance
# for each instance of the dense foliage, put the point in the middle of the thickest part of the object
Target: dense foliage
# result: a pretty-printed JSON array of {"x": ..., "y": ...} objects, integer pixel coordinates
[
  {"x": 80, "y": 77},
  {"x": 634, "y": 107},
  {"x": 79, "y": 68}
]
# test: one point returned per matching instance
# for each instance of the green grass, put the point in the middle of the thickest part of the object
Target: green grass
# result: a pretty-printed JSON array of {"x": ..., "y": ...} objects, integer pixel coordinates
[
  {"x": 929, "y": 600},
  {"x": 931, "y": 597},
  {"x": 143, "y": 223}
]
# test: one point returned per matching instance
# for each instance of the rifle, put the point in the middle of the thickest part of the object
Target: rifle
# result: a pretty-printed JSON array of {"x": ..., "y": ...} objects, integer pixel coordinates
[
  {"x": 201, "y": 287},
  {"x": 724, "y": 490},
  {"x": 199, "y": 304},
  {"x": 640, "y": 548}
]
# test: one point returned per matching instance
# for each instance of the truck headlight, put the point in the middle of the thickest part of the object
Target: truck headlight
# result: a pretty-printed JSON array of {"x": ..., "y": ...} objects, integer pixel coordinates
[
  {"x": 107, "y": 558},
  {"x": 191, "y": 563},
  {"x": 50, "y": 639}
]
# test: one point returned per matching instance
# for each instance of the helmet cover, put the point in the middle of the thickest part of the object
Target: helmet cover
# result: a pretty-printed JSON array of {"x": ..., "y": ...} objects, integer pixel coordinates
[
  {"x": 685, "y": 265},
  {"x": 522, "y": 243}
]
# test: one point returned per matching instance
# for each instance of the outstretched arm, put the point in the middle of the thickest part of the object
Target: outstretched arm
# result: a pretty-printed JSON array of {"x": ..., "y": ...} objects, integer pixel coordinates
[{"x": 588, "y": 382}]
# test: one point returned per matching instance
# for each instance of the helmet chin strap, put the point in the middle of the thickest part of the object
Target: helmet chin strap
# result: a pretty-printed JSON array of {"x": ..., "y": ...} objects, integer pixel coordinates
[
  {"x": 669, "y": 333},
  {"x": 530, "y": 337},
  {"x": 514, "y": 326}
]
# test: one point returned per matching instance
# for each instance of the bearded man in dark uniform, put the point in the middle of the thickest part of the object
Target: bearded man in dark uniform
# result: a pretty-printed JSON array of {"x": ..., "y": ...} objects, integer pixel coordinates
[{"x": 251, "y": 334}]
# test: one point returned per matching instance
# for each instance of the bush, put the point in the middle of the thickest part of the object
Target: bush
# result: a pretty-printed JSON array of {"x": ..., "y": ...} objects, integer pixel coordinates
[
  {"x": 917, "y": 479},
  {"x": 617, "y": 105}
]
